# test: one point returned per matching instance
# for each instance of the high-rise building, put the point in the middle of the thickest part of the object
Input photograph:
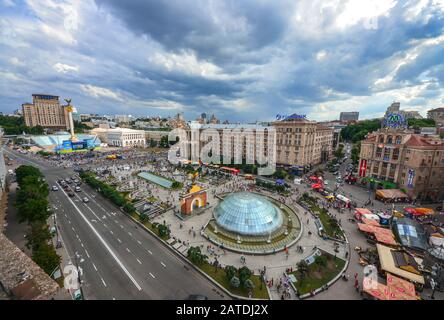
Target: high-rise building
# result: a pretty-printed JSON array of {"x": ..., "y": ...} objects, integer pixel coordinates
[
  {"x": 414, "y": 162},
  {"x": 437, "y": 115},
  {"x": 349, "y": 116},
  {"x": 46, "y": 111}
]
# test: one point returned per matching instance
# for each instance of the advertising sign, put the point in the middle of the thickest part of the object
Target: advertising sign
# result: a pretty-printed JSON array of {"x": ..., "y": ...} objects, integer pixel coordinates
[
  {"x": 395, "y": 120},
  {"x": 362, "y": 167},
  {"x": 78, "y": 145},
  {"x": 66, "y": 144}
]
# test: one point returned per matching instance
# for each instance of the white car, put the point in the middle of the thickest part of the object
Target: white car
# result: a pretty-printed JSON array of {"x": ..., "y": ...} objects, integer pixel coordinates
[
  {"x": 85, "y": 200},
  {"x": 55, "y": 188}
]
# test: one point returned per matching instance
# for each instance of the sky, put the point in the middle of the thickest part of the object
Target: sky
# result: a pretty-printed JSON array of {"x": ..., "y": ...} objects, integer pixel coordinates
[{"x": 244, "y": 61}]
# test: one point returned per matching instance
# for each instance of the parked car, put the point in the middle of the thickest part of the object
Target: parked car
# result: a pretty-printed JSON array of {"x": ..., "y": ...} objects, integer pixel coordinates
[
  {"x": 85, "y": 200},
  {"x": 71, "y": 194},
  {"x": 78, "y": 189},
  {"x": 55, "y": 188}
]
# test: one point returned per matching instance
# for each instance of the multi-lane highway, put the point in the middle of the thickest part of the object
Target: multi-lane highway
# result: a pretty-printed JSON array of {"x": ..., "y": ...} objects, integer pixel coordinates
[{"x": 117, "y": 258}]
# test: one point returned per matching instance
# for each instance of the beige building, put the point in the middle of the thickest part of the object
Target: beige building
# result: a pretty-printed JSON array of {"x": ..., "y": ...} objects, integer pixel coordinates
[
  {"x": 121, "y": 137},
  {"x": 437, "y": 115},
  {"x": 46, "y": 111},
  {"x": 302, "y": 142},
  {"x": 414, "y": 162}
]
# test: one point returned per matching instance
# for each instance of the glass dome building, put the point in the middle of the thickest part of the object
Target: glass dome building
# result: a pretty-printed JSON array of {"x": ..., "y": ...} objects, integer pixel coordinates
[{"x": 247, "y": 213}]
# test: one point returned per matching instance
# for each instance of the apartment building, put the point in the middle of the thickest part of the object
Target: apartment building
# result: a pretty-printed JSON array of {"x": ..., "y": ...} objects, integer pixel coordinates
[
  {"x": 46, "y": 111},
  {"x": 437, "y": 115},
  {"x": 414, "y": 162},
  {"x": 302, "y": 142}
]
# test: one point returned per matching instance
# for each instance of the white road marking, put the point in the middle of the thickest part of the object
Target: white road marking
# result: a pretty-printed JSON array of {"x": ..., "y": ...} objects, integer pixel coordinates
[
  {"x": 121, "y": 226},
  {"x": 111, "y": 232},
  {"x": 120, "y": 241},
  {"x": 152, "y": 276},
  {"x": 130, "y": 234},
  {"x": 105, "y": 225},
  {"x": 105, "y": 244},
  {"x": 128, "y": 250},
  {"x": 95, "y": 268},
  {"x": 140, "y": 262},
  {"x": 69, "y": 221},
  {"x": 139, "y": 242},
  {"x": 103, "y": 281},
  {"x": 150, "y": 252},
  {"x": 81, "y": 243},
  {"x": 163, "y": 264},
  {"x": 73, "y": 229},
  {"x": 116, "y": 221},
  {"x": 87, "y": 254}
]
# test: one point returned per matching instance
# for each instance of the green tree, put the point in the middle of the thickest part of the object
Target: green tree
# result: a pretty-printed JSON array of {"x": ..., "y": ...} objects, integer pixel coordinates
[
  {"x": 235, "y": 282},
  {"x": 249, "y": 285},
  {"x": 244, "y": 274},
  {"x": 196, "y": 256},
  {"x": 38, "y": 234},
  {"x": 46, "y": 257},
  {"x": 143, "y": 217},
  {"x": 303, "y": 269},
  {"x": 163, "y": 230},
  {"x": 230, "y": 272},
  {"x": 26, "y": 171},
  {"x": 321, "y": 261}
]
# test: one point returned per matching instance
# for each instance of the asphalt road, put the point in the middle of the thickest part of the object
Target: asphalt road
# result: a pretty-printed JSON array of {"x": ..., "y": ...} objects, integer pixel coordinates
[{"x": 118, "y": 259}]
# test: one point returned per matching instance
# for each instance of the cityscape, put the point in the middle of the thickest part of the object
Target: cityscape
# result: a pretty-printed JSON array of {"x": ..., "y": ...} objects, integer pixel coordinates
[{"x": 219, "y": 181}]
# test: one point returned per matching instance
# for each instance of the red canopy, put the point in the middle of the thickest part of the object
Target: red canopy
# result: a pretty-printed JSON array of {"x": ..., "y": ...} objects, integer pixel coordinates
[
  {"x": 314, "y": 178},
  {"x": 316, "y": 186}
]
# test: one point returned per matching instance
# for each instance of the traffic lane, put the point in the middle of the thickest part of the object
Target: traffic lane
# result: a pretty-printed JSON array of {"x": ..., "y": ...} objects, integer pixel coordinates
[
  {"x": 115, "y": 280},
  {"x": 143, "y": 244},
  {"x": 143, "y": 258}
]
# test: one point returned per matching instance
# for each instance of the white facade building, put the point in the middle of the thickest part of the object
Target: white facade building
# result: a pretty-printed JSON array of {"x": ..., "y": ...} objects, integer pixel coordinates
[{"x": 121, "y": 137}]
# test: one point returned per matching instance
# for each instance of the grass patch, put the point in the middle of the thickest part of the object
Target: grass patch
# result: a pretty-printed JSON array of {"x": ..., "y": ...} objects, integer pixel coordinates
[
  {"x": 318, "y": 277},
  {"x": 221, "y": 278}
]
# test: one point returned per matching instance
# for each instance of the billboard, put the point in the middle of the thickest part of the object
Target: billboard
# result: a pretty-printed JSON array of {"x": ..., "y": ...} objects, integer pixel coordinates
[{"x": 77, "y": 145}]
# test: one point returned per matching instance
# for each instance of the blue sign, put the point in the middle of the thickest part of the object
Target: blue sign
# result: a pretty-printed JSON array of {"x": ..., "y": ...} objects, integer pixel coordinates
[
  {"x": 66, "y": 145},
  {"x": 410, "y": 177},
  {"x": 395, "y": 120},
  {"x": 90, "y": 143},
  {"x": 77, "y": 145}
]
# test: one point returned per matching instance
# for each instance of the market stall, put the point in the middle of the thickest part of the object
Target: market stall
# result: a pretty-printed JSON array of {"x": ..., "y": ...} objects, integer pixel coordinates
[
  {"x": 391, "y": 195},
  {"x": 360, "y": 211}
]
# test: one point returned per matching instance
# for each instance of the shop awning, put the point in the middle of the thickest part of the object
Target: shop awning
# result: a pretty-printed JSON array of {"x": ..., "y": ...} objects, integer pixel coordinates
[
  {"x": 371, "y": 222},
  {"x": 316, "y": 186},
  {"x": 391, "y": 194}
]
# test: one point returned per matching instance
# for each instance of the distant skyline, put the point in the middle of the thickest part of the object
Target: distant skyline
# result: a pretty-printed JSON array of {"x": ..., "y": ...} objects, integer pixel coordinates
[{"x": 241, "y": 60}]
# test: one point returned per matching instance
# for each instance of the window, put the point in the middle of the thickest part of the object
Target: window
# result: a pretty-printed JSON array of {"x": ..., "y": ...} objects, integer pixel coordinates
[
  {"x": 381, "y": 139},
  {"x": 395, "y": 155},
  {"x": 389, "y": 140}
]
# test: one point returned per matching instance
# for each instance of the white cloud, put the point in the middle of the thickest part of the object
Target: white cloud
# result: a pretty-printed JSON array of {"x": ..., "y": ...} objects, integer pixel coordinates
[
  {"x": 99, "y": 92},
  {"x": 64, "y": 68},
  {"x": 364, "y": 11},
  {"x": 187, "y": 62}
]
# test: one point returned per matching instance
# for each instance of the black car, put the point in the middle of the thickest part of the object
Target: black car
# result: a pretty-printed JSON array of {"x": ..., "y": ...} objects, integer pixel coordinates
[{"x": 71, "y": 194}]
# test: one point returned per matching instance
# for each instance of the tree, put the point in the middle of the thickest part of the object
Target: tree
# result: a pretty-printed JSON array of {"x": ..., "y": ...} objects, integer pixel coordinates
[
  {"x": 38, "y": 234},
  {"x": 302, "y": 268},
  {"x": 321, "y": 261},
  {"x": 163, "y": 231},
  {"x": 143, "y": 217},
  {"x": 25, "y": 171},
  {"x": 46, "y": 257},
  {"x": 196, "y": 256},
  {"x": 244, "y": 274},
  {"x": 249, "y": 285},
  {"x": 235, "y": 282},
  {"x": 230, "y": 272}
]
